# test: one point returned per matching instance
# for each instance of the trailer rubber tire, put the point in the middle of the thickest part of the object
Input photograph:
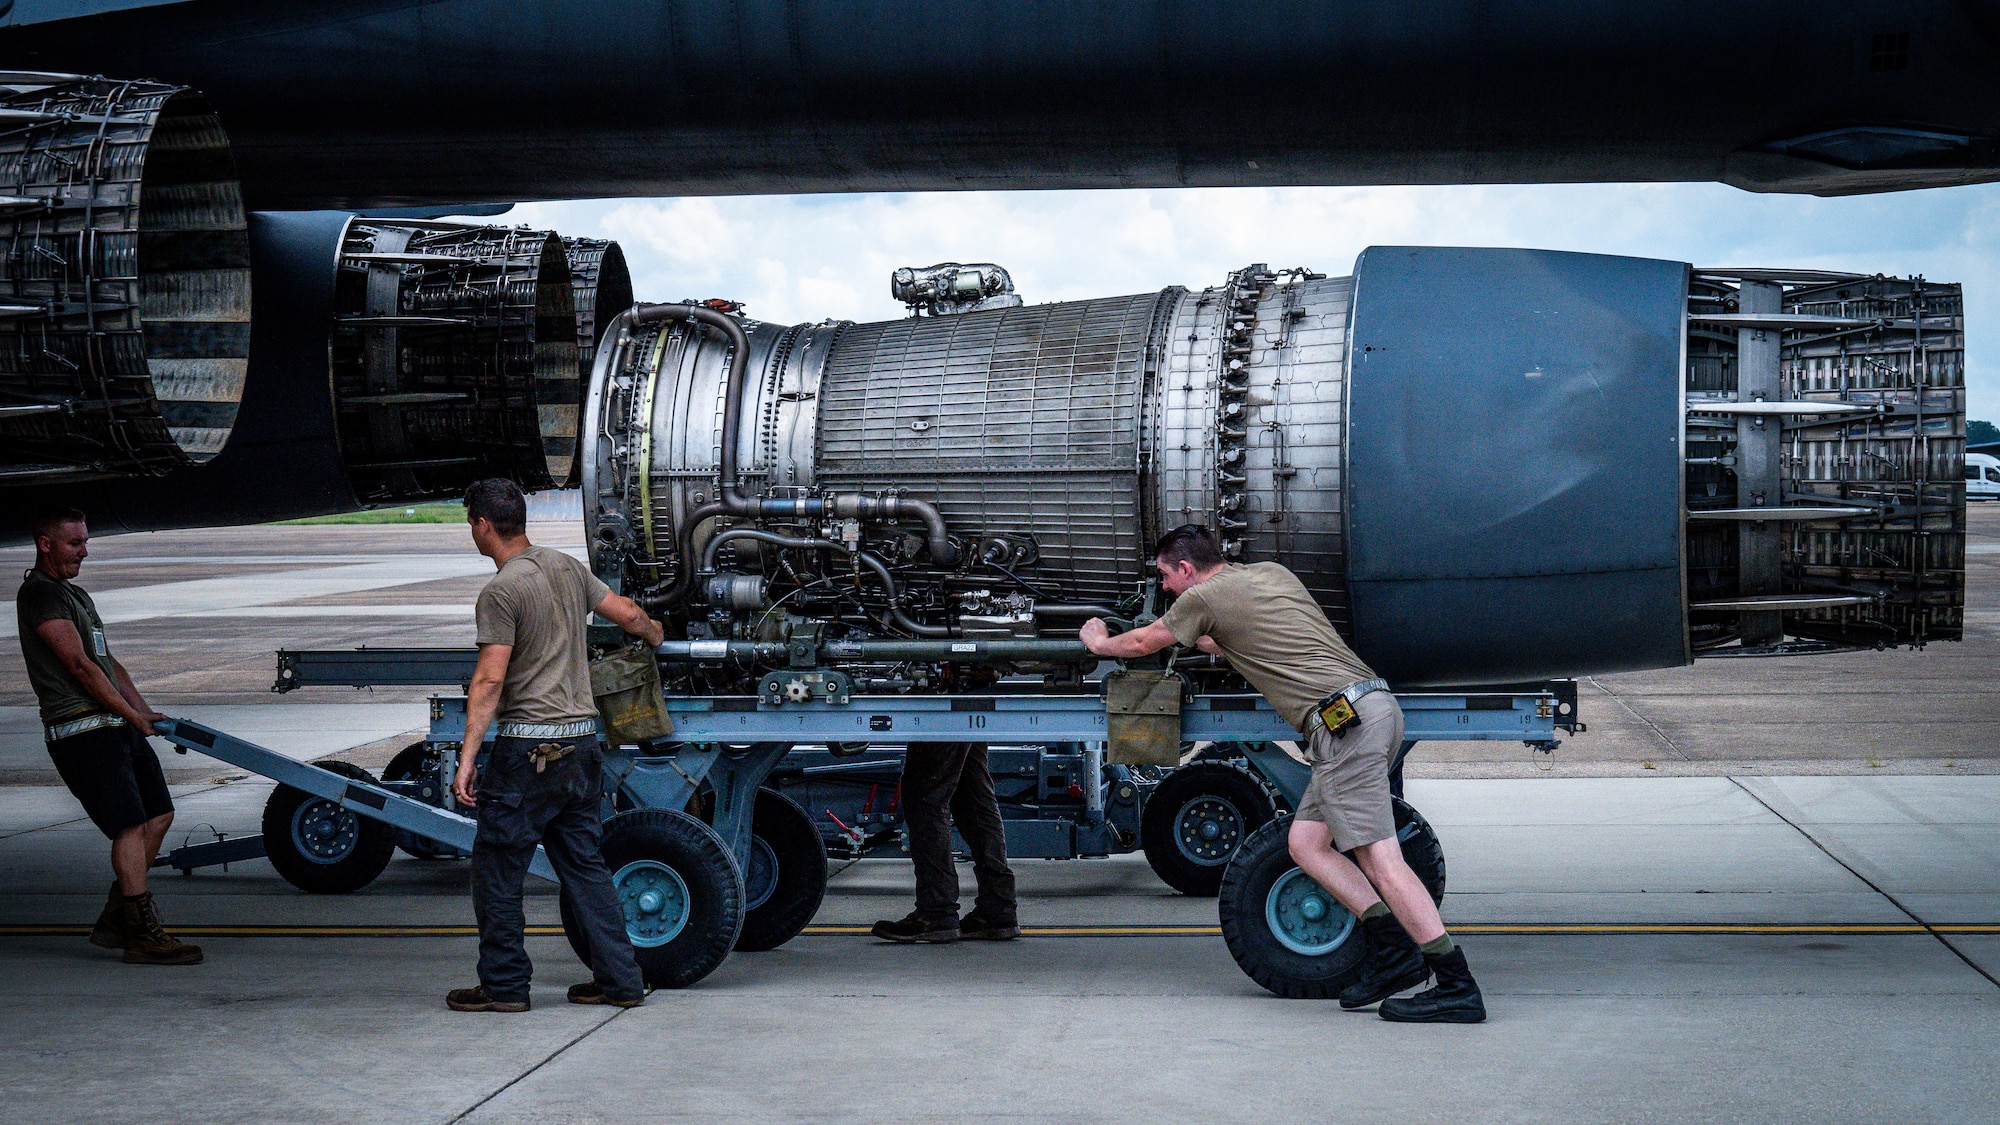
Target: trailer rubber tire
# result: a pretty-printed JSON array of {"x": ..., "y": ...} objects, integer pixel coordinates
[
  {"x": 787, "y": 873},
  {"x": 408, "y": 765},
  {"x": 1321, "y": 951},
  {"x": 345, "y": 851},
  {"x": 1422, "y": 849},
  {"x": 1196, "y": 818},
  {"x": 682, "y": 895}
]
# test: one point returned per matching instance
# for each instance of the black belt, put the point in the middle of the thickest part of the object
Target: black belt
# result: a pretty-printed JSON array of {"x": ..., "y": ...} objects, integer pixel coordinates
[{"x": 1349, "y": 695}]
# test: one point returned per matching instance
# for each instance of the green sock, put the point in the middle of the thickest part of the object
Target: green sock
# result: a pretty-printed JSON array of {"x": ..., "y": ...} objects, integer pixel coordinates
[
  {"x": 1438, "y": 946},
  {"x": 1376, "y": 911}
]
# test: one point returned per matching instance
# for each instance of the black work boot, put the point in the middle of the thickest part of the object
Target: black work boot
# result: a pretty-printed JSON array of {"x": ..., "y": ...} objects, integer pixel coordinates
[
  {"x": 978, "y": 927},
  {"x": 1455, "y": 999},
  {"x": 1394, "y": 964},
  {"x": 915, "y": 928},
  {"x": 109, "y": 931}
]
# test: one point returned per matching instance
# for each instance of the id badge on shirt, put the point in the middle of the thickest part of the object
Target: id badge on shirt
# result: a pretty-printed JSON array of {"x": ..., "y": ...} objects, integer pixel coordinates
[{"x": 97, "y": 642}]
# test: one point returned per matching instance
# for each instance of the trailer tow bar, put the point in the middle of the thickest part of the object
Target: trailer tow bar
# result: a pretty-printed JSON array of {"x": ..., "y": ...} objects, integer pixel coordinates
[{"x": 428, "y": 821}]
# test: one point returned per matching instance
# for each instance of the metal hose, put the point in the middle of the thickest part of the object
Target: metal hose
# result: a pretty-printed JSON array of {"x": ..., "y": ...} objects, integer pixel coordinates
[
  {"x": 881, "y": 570},
  {"x": 684, "y": 560},
  {"x": 771, "y": 537},
  {"x": 856, "y": 505},
  {"x": 731, "y": 500},
  {"x": 896, "y": 614}
]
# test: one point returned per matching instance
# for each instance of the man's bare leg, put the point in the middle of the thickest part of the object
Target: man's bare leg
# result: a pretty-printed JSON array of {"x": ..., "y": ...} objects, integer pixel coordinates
[
  {"x": 1311, "y": 845},
  {"x": 1380, "y": 876},
  {"x": 132, "y": 853},
  {"x": 1409, "y": 900}
]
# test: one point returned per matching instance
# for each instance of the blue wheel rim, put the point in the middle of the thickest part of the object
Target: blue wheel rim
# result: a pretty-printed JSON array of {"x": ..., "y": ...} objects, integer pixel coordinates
[
  {"x": 1208, "y": 830},
  {"x": 761, "y": 881},
  {"x": 1304, "y": 918},
  {"x": 323, "y": 832},
  {"x": 655, "y": 900}
]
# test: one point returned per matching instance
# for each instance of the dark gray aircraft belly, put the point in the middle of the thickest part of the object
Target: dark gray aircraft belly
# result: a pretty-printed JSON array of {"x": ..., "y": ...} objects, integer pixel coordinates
[{"x": 397, "y": 103}]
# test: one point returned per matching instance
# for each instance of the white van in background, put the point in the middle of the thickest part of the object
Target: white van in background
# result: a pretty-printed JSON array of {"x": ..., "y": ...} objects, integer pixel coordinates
[{"x": 1982, "y": 476}]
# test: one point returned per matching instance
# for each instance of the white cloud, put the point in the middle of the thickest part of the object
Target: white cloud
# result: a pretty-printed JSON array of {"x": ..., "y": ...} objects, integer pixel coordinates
[{"x": 801, "y": 258}]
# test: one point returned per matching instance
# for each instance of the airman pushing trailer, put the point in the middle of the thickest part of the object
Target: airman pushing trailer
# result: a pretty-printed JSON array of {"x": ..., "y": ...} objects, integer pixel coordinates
[
  {"x": 1262, "y": 620},
  {"x": 96, "y": 724}
]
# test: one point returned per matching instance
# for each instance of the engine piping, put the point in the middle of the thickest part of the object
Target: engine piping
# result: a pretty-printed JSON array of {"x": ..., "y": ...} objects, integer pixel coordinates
[
  {"x": 731, "y": 501},
  {"x": 887, "y": 580}
]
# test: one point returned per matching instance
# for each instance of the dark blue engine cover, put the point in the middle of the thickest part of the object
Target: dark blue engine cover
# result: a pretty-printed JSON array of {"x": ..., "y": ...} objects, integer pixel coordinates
[{"x": 1514, "y": 464}]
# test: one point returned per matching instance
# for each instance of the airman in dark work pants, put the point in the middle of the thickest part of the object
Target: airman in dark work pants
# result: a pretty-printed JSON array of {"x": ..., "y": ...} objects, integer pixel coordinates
[
  {"x": 544, "y": 779},
  {"x": 950, "y": 780}
]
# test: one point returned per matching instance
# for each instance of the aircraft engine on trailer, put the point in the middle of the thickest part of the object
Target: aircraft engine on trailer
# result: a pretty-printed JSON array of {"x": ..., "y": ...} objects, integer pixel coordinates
[{"x": 1489, "y": 466}]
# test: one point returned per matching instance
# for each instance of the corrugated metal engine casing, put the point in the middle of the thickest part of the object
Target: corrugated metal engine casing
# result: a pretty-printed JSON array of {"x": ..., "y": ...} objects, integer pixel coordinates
[
  {"x": 1269, "y": 476},
  {"x": 1023, "y": 421},
  {"x": 1088, "y": 427}
]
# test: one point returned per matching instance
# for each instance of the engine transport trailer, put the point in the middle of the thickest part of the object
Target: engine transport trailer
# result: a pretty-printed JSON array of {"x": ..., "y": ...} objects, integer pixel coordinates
[
  {"x": 713, "y": 847},
  {"x": 865, "y": 535}
]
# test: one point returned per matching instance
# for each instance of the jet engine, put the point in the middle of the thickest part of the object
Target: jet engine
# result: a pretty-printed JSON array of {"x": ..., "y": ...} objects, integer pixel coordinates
[
  {"x": 125, "y": 292},
  {"x": 167, "y": 360},
  {"x": 1488, "y": 466}
]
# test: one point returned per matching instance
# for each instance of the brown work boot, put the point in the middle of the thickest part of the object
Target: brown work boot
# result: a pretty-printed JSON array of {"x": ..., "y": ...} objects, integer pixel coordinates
[
  {"x": 977, "y": 927},
  {"x": 146, "y": 941},
  {"x": 591, "y": 992},
  {"x": 915, "y": 928},
  {"x": 109, "y": 932},
  {"x": 477, "y": 999}
]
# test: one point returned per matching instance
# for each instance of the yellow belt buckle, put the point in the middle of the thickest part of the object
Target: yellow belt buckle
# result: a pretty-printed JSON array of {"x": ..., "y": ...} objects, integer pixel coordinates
[{"x": 1338, "y": 715}]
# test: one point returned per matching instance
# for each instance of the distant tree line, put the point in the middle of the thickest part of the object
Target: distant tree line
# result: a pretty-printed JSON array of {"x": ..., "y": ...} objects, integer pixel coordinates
[{"x": 1980, "y": 433}]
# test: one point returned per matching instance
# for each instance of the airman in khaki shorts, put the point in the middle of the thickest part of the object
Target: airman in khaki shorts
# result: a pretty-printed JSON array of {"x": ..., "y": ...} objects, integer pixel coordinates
[{"x": 1263, "y": 621}]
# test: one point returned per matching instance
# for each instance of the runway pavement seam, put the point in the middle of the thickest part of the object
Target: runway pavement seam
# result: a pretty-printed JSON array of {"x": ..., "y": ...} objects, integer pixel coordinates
[
  {"x": 1543, "y": 929},
  {"x": 1854, "y": 870},
  {"x": 551, "y": 1057},
  {"x": 1650, "y": 725},
  {"x": 81, "y": 819}
]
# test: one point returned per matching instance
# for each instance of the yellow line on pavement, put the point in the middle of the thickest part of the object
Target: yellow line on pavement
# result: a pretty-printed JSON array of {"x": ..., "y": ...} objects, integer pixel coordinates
[{"x": 1487, "y": 928}]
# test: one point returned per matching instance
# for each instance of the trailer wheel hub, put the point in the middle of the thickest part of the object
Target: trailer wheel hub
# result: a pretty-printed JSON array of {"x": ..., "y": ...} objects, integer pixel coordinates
[
  {"x": 324, "y": 832},
  {"x": 1208, "y": 830},
  {"x": 655, "y": 900},
  {"x": 1304, "y": 918},
  {"x": 761, "y": 880}
]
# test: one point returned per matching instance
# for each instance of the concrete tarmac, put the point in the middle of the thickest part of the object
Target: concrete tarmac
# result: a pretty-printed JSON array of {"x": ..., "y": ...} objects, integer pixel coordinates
[
  {"x": 1755, "y": 891},
  {"x": 1805, "y": 949}
]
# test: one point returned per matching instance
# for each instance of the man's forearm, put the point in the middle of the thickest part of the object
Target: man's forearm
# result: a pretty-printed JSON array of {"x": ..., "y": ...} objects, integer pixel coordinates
[
  {"x": 631, "y": 617},
  {"x": 482, "y": 699},
  {"x": 128, "y": 689},
  {"x": 1130, "y": 645},
  {"x": 1124, "y": 646},
  {"x": 98, "y": 686}
]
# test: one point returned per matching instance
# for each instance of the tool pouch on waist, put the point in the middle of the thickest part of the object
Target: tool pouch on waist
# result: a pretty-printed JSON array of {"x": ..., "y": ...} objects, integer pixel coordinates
[
  {"x": 549, "y": 752},
  {"x": 630, "y": 705},
  {"x": 1142, "y": 709}
]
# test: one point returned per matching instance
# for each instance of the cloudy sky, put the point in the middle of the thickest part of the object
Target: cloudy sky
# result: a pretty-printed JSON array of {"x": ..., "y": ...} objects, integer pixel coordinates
[{"x": 799, "y": 258}]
